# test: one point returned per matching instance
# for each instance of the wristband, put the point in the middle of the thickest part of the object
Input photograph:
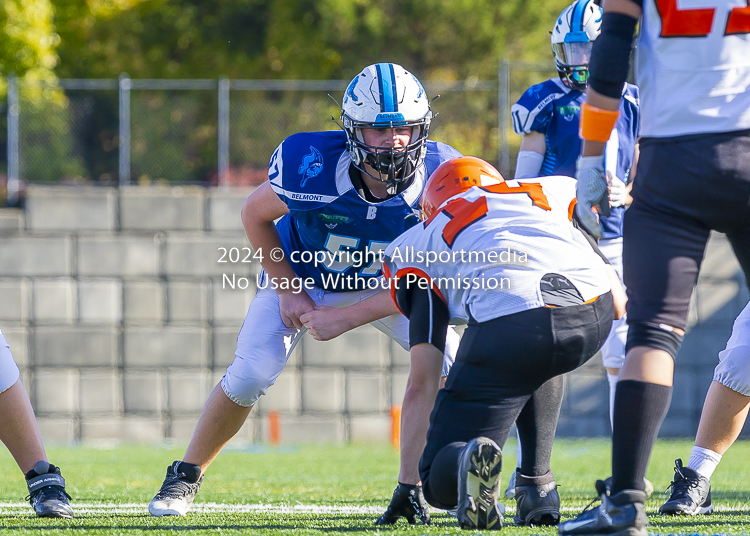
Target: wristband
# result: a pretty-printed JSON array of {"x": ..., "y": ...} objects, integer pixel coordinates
[{"x": 597, "y": 124}]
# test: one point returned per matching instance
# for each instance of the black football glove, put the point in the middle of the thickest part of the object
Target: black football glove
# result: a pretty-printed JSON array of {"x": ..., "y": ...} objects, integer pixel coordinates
[{"x": 407, "y": 501}]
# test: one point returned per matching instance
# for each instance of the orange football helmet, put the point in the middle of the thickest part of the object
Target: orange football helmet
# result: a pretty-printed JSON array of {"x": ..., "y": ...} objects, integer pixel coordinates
[{"x": 453, "y": 177}]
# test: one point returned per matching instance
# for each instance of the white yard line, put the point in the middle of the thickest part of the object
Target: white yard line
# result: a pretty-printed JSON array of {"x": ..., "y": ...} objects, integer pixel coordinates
[{"x": 209, "y": 508}]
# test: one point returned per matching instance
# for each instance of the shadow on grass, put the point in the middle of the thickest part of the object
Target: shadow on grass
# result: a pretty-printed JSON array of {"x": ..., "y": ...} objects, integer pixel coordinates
[
  {"x": 214, "y": 527},
  {"x": 90, "y": 524}
]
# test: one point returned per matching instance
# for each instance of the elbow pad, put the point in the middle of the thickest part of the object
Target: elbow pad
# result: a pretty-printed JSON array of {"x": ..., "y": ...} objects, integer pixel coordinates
[
  {"x": 428, "y": 315},
  {"x": 610, "y": 56}
]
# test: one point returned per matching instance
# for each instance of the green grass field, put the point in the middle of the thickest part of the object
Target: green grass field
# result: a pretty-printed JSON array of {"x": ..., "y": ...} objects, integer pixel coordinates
[{"x": 324, "y": 490}]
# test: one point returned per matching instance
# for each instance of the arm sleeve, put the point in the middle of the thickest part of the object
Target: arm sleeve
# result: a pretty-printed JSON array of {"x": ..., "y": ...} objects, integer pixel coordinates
[
  {"x": 610, "y": 55},
  {"x": 427, "y": 313},
  {"x": 528, "y": 165}
]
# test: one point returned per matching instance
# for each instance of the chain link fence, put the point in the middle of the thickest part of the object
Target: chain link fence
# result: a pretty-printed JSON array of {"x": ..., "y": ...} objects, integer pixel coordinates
[{"x": 212, "y": 132}]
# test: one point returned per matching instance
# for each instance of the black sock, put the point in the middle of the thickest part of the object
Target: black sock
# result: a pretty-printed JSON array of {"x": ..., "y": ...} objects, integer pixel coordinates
[
  {"x": 537, "y": 424},
  {"x": 191, "y": 471},
  {"x": 640, "y": 408},
  {"x": 41, "y": 468}
]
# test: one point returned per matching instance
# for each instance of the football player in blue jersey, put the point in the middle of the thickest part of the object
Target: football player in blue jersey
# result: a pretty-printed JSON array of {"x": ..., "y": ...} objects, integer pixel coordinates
[
  {"x": 20, "y": 433},
  {"x": 342, "y": 197},
  {"x": 547, "y": 116}
]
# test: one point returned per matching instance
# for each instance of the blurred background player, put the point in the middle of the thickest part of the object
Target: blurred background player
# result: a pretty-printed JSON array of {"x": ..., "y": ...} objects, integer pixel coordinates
[
  {"x": 724, "y": 414},
  {"x": 350, "y": 192},
  {"x": 20, "y": 433},
  {"x": 693, "y": 69},
  {"x": 553, "y": 316},
  {"x": 548, "y": 115}
]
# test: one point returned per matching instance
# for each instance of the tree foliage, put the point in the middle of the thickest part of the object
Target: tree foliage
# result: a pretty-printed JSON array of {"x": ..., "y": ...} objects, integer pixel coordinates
[
  {"x": 318, "y": 39},
  {"x": 27, "y": 47},
  {"x": 454, "y": 40}
]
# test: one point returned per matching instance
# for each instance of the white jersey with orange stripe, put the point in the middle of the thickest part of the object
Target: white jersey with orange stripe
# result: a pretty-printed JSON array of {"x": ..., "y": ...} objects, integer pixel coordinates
[
  {"x": 693, "y": 67},
  {"x": 487, "y": 249}
]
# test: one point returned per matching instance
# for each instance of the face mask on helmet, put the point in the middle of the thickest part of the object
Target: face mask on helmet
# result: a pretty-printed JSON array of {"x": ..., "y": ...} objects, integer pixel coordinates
[
  {"x": 454, "y": 177},
  {"x": 572, "y": 38},
  {"x": 385, "y": 96}
]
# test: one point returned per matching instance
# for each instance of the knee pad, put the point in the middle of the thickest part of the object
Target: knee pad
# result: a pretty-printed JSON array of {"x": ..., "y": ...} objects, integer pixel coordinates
[
  {"x": 733, "y": 370},
  {"x": 244, "y": 392},
  {"x": 9, "y": 372},
  {"x": 440, "y": 482},
  {"x": 654, "y": 336}
]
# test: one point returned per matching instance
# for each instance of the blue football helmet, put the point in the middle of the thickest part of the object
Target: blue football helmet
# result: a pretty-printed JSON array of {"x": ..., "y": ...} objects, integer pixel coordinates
[
  {"x": 386, "y": 95},
  {"x": 572, "y": 38}
]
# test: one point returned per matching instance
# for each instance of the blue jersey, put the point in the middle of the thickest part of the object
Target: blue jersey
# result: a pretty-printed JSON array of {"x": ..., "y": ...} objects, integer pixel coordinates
[
  {"x": 310, "y": 173},
  {"x": 553, "y": 109}
]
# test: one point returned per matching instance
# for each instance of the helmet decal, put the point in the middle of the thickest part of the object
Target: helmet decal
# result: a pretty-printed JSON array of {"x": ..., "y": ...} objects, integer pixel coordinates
[
  {"x": 387, "y": 87},
  {"x": 350, "y": 90},
  {"x": 576, "y": 22},
  {"x": 421, "y": 89}
]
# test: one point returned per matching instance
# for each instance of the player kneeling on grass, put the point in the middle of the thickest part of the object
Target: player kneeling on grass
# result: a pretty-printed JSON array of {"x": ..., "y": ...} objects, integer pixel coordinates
[
  {"x": 532, "y": 315},
  {"x": 20, "y": 433},
  {"x": 341, "y": 198}
]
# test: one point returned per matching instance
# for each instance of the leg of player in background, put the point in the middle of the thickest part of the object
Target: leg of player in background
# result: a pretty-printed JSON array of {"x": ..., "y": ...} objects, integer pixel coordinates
[
  {"x": 263, "y": 347},
  {"x": 613, "y": 351},
  {"x": 20, "y": 433},
  {"x": 219, "y": 422},
  {"x": 724, "y": 414},
  {"x": 537, "y": 424},
  {"x": 537, "y": 501}
]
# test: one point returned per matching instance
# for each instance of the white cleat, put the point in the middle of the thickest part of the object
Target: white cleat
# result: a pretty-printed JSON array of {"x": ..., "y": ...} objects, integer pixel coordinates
[{"x": 176, "y": 494}]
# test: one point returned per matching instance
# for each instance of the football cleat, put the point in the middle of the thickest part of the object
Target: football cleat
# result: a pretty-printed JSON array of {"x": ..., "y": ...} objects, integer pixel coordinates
[
  {"x": 47, "y": 494},
  {"x": 691, "y": 493},
  {"x": 537, "y": 501},
  {"x": 621, "y": 514},
  {"x": 176, "y": 495},
  {"x": 510, "y": 491},
  {"x": 479, "y": 469},
  {"x": 408, "y": 501}
]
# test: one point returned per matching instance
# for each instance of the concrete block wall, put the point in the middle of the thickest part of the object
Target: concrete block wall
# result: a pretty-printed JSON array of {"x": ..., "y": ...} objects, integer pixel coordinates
[{"x": 114, "y": 307}]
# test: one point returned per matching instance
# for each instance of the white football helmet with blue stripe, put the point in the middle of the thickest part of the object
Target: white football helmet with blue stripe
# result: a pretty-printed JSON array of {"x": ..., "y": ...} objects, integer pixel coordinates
[
  {"x": 572, "y": 37},
  {"x": 386, "y": 95}
]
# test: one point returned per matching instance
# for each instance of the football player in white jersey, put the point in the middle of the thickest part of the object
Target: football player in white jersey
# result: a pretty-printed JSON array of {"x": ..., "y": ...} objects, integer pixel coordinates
[
  {"x": 547, "y": 116},
  {"x": 504, "y": 258},
  {"x": 338, "y": 198},
  {"x": 693, "y": 70},
  {"x": 20, "y": 433}
]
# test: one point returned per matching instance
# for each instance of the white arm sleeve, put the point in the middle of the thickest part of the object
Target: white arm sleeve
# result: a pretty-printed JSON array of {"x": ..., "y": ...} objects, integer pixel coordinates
[{"x": 528, "y": 165}]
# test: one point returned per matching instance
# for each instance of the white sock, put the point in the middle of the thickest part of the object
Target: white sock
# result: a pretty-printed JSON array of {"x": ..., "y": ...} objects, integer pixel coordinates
[
  {"x": 703, "y": 461},
  {"x": 612, "y": 379},
  {"x": 518, "y": 450}
]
